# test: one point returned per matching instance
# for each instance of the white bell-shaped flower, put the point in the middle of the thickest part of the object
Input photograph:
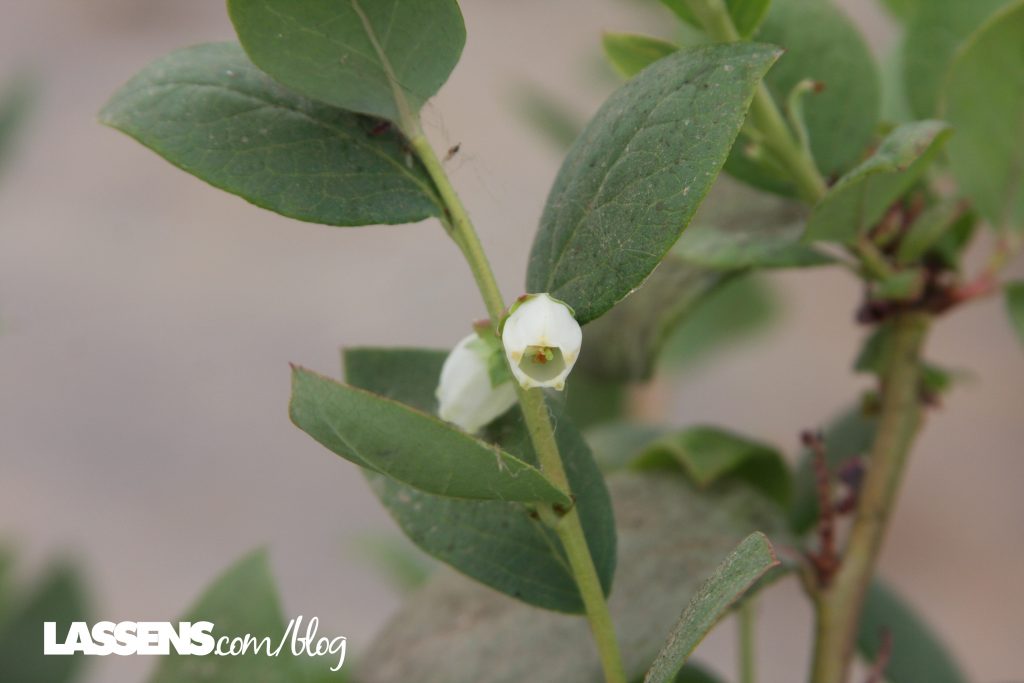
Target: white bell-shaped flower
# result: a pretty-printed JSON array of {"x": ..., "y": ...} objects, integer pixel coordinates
[
  {"x": 466, "y": 393},
  {"x": 542, "y": 341}
]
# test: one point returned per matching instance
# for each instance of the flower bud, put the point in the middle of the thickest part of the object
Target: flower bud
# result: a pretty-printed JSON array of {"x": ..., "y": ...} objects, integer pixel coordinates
[
  {"x": 470, "y": 393},
  {"x": 542, "y": 341}
]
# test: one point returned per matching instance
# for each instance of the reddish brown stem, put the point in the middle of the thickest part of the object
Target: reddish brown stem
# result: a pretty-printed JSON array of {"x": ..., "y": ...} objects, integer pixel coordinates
[
  {"x": 826, "y": 558},
  {"x": 877, "y": 673}
]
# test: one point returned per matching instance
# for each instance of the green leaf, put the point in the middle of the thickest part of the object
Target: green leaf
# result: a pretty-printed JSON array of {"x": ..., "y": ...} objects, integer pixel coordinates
[
  {"x": 984, "y": 101},
  {"x": 708, "y": 454},
  {"x": 633, "y": 180},
  {"x": 902, "y": 9},
  {"x": 734, "y": 577},
  {"x": 928, "y": 229},
  {"x": 741, "y": 308},
  {"x": 849, "y": 436},
  {"x": 395, "y": 559},
  {"x": 935, "y": 30},
  {"x": 861, "y": 197},
  {"x": 497, "y": 543},
  {"x": 630, "y": 54},
  {"x": 6, "y": 579},
  {"x": 895, "y": 108},
  {"x": 949, "y": 250},
  {"x": 746, "y": 15},
  {"x": 749, "y": 247},
  {"x": 624, "y": 344},
  {"x": 936, "y": 380},
  {"x": 15, "y": 102},
  {"x": 411, "y": 446},
  {"x": 698, "y": 286},
  {"x": 241, "y": 601},
  {"x": 379, "y": 57},
  {"x": 616, "y": 445},
  {"x": 872, "y": 353},
  {"x": 739, "y": 227},
  {"x": 1015, "y": 306},
  {"x": 904, "y": 285},
  {"x": 693, "y": 673},
  {"x": 209, "y": 111},
  {"x": 548, "y": 114},
  {"x": 917, "y": 654},
  {"x": 59, "y": 597},
  {"x": 872, "y": 359},
  {"x": 591, "y": 400},
  {"x": 665, "y": 557}
]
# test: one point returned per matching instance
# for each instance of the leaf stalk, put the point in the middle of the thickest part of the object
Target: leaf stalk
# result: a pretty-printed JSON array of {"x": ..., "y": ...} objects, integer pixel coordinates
[{"x": 765, "y": 117}]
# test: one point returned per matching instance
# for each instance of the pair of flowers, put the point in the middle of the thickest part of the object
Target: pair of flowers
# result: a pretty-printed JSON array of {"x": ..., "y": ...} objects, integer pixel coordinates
[{"x": 540, "y": 340}]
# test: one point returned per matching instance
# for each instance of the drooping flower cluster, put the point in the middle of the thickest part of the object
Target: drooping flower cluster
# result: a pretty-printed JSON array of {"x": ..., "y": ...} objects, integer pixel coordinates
[
  {"x": 469, "y": 394},
  {"x": 540, "y": 342}
]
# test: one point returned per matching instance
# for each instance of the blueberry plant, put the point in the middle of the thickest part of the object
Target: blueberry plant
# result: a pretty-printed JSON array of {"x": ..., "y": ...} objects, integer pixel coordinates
[{"x": 480, "y": 453}]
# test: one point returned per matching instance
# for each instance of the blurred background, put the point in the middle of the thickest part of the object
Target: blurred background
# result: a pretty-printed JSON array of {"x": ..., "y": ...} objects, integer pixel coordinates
[{"x": 147, "y": 321}]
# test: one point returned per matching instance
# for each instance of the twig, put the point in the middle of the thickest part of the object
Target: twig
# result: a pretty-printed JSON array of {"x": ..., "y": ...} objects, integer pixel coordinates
[
  {"x": 839, "y": 606},
  {"x": 877, "y": 673},
  {"x": 826, "y": 558}
]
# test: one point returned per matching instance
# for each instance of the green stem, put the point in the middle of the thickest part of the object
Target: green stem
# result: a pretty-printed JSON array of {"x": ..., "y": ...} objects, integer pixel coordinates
[
  {"x": 839, "y": 604},
  {"x": 459, "y": 226},
  {"x": 747, "y": 614},
  {"x": 872, "y": 260},
  {"x": 535, "y": 412},
  {"x": 765, "y": 117}
]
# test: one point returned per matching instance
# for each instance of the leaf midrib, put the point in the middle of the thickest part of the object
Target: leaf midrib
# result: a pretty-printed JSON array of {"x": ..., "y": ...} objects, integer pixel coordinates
[
  {"x": 344, "y": 135},
  {"x": 406, "y": 119}
]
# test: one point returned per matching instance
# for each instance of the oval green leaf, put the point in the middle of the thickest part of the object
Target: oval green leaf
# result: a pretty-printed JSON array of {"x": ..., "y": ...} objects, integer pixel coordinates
[
  {"x": 694, "y": 673},
  {"x": 917, "y": 654},
  {"x": 930, "y": 228},
  {"x": 935, "y": 30},
  {"x": 1014, "y": 292},
  {"x": 241, "y": 601},
  {"x": 633, "y": 180},
  {"x": 665, "y": 557},
  {"x": 379, "y": 57},
  {"x": 411, "y": 446},
  {"x": 59, "y": 596},
  {"x": 697, "y": 293},
  {"x": 624, "y": 344},
  {"x": 739, "y": 227},
  {"x": 861, "y": 197},
  {"x": 709, "y": 454},
  {"x": 742, "y": 308},
  {"x": 16, "y": 100},
  {"x": 629, "y": 54},
  {"x": 746, "y": 15},
  {"x": 497, "y": 543},
  {"x": 209, "y": 111},
  {"x": 984, "y": 102},
  {"x": 732, "y": 579}
]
